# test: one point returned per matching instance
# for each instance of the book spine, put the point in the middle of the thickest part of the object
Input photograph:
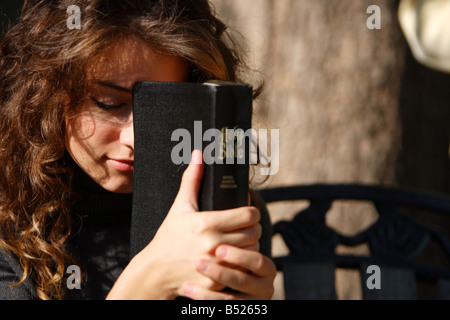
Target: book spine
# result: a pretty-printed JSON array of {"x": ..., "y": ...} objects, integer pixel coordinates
[{"x": 228, "y": 177}]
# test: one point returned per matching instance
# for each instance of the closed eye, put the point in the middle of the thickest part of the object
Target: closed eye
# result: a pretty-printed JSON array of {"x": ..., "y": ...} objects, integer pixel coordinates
[{"x": 106, "y": 106}]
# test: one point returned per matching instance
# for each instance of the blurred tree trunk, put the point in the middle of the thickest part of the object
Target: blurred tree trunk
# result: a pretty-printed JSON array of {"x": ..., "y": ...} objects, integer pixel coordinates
[{"x": 351, "y": 103}]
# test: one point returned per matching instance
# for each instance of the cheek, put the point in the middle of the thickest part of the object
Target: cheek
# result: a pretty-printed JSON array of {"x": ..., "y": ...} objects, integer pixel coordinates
[
  {"x": 92, "y": 135},
  {"x": 83, "y": 127}
]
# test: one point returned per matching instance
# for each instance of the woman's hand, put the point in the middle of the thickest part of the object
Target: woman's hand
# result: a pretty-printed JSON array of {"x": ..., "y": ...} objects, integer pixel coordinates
[
  {"x": 248, "y": 273},
  {"x": 187, "y": 239}
]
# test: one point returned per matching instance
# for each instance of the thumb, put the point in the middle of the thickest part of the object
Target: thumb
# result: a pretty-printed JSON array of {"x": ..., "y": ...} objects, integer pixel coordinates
[{"x": 191, "y": 181}]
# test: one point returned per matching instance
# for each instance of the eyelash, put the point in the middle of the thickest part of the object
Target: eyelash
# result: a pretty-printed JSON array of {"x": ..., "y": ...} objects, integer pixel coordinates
[{"x": 105, "y": 106}]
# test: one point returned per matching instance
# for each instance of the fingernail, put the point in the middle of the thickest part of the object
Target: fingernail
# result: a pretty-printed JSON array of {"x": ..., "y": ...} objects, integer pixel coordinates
[
  {"x": 202, "y": 266},
  {"x": 197, "y": 157},
  {"x": 221, "y": 252}
]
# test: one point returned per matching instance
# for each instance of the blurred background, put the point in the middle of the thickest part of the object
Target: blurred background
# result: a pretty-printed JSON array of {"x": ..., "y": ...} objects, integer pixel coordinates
[{"x": 352, "y": 105}]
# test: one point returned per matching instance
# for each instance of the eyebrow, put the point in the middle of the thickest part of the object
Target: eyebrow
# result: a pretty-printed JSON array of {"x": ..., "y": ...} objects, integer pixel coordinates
[{"x": 112, "y": 85}]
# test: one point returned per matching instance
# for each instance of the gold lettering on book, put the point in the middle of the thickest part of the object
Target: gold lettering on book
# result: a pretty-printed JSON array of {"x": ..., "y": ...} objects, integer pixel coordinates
[
  {"x": 228, "y": 182},
  {"x": 232, "y": 144}
]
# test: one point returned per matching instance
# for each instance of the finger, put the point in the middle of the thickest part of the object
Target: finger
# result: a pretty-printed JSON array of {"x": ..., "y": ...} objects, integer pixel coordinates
[
  {"x": 238, "y": 280},
  {"x": 243, "y": 238},
  {"x": 234, "y": 219},
  {"x": 191, "y": 181},
  {"x": 196, "y": 292},
  {"x": 204, "y": 282},
  {"x": 252, "y": 261},
  {"x": 256, "y": 247}
]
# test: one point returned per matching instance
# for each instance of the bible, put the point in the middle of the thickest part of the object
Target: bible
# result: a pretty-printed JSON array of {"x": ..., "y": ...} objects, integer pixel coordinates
[{"x": 170, "y": 121}]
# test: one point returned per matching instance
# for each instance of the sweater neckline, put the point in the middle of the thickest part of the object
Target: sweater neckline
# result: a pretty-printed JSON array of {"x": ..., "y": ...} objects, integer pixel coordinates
[{"x": 93, "y": 200}]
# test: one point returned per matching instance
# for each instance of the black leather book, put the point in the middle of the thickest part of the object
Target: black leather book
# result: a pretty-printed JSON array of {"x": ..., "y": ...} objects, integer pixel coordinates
[{"x": 170, "y": 121}]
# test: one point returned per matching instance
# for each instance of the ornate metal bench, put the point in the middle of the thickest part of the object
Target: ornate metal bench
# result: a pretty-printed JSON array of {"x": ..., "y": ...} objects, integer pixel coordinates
[{"x": 395, "y": 240}]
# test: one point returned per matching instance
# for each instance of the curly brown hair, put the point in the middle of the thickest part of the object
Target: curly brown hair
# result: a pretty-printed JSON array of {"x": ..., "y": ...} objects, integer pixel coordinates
[{"x": 43, "y": 76}]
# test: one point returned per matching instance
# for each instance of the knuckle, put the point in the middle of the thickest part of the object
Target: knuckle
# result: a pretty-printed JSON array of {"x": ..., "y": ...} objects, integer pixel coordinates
[
  {"x": 204, "y": 223},
  {"x": 219, "y": 274},
  {"x": 211, "y": 285},
  {"x": 243, "y": 281},
  {"x": 210, "y": 243},
  {"x": 269, "y": 291},
  {"x": 258, "y": 231},
  {"x": 255, "y": 247},
  {"x": 254, "y": 234},
  {"x": 251, "y": 215},
  {"x": 260, "y": 263}
]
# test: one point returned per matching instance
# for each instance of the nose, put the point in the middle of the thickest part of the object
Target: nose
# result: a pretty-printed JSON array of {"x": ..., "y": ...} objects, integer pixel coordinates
[{"x": 127, "y": 134}]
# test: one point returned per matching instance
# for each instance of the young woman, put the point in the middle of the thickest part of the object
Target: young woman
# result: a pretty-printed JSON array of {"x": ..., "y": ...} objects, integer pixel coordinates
[{"x": 67, "y": 152}]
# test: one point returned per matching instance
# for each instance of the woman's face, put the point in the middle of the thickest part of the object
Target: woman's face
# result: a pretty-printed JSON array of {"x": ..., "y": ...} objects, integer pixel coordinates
[{"x": 100, "y": 137}]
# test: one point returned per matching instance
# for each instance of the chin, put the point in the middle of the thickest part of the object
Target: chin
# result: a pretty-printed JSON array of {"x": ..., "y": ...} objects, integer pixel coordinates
[{"x": 119, "y": 187}]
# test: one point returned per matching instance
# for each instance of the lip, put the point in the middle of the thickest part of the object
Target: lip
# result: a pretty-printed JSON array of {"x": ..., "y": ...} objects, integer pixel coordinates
[{"x": 121, "y": 165}]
